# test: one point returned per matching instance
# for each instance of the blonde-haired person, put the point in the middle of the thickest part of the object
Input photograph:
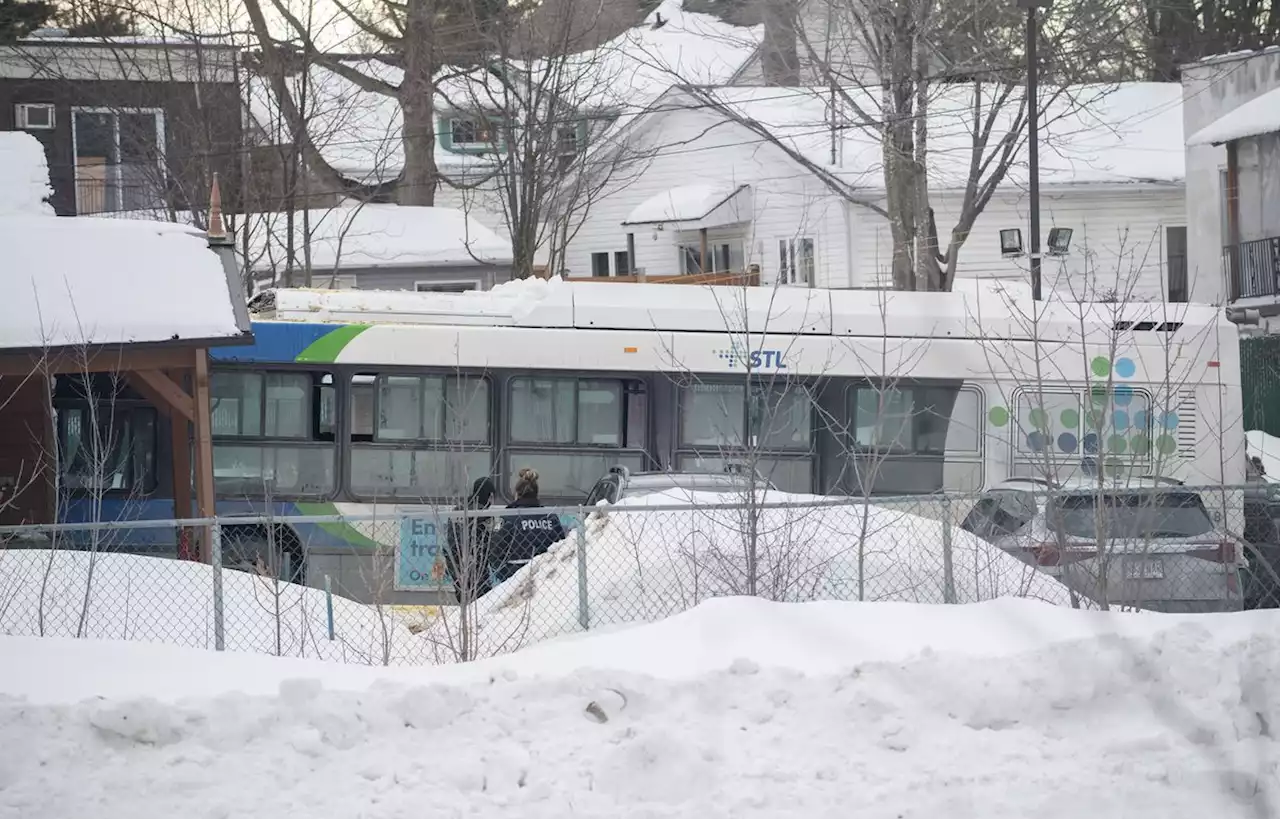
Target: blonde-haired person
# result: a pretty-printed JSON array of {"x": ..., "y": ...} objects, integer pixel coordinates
[{"x": 523, "y": 537}]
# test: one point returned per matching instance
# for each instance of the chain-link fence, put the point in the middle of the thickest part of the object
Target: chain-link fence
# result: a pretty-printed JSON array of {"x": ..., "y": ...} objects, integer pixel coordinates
[{"x": 441, "y": 585}]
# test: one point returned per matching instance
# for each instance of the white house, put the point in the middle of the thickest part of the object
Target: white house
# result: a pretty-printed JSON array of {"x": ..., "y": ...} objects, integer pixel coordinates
[
  {"x": 1111, "y": 169},
  {"x": 1231, "y": 110},
  {"x": 359, "y": 133}
]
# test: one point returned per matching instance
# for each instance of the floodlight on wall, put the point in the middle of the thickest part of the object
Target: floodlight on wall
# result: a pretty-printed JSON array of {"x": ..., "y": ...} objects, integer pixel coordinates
[
  {"x": 1059, "y": 241},
  {"x": 1011, "y": 243}
]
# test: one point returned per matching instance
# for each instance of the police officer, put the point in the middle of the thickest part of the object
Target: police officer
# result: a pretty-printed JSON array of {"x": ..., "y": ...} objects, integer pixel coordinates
[{"x": 521, "y": 538}]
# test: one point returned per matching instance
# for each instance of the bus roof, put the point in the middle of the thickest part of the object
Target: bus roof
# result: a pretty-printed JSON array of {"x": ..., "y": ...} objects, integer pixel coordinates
[{"x": 977, "y": 309}]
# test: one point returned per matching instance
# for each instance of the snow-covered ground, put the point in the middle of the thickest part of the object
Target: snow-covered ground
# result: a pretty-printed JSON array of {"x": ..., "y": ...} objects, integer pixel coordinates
[
  {"x": 739, "y": 708},
  {"x": 644, "y": 566},
  {"x": 1266, "y": 448},
  {"x": 60, "y": 593}
]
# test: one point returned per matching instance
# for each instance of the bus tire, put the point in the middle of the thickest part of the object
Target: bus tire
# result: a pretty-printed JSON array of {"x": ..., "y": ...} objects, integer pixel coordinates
[{"x": 248, "y": 548}]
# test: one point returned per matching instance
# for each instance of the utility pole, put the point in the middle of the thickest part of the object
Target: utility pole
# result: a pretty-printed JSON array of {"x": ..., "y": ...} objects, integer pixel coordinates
[{"x": 1033, "y": 133}]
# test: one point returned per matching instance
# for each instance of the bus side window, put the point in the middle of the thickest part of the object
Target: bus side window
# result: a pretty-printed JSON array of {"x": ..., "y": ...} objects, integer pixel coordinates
[
  {"x": 326, "y": 420},
  {"x": 363, "y": 388}
]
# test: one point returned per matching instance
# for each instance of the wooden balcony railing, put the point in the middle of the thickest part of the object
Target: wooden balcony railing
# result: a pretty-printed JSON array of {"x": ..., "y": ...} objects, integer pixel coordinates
[{"x": 750, "y": 278}]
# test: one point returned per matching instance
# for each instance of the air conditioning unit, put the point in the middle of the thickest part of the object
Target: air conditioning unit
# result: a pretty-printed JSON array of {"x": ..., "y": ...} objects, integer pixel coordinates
[{"x": 34, "y": 116}]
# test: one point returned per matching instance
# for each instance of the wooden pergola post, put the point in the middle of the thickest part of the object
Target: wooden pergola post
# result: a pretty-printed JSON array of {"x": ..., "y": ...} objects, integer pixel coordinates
[{"x": 203, "y": 449}]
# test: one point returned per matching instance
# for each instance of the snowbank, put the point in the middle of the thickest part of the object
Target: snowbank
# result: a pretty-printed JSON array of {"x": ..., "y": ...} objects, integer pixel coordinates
[
  {"x": 643, "y": 567},
  {"x": 371, "y": 235},
  {"x": 24, "y": 175},
  {"x": 1004, "y": 709},
  {"x": 130, "y": 597},
  {"x": 1265, "y": 448}
]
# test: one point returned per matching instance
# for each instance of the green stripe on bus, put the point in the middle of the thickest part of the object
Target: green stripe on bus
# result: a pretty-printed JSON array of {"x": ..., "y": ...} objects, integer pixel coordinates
[
  {"x": 342, "y": 531},
  {"x": 325, "y": 349}
]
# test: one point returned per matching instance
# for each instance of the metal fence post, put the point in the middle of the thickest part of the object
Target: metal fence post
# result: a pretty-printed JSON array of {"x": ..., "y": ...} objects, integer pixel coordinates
[
  {"x": 584, "y": 607},
  {"x": 215, "y": 561},
  {"x": 328, "y": 604},
  {"x": 948, "y": 568}
]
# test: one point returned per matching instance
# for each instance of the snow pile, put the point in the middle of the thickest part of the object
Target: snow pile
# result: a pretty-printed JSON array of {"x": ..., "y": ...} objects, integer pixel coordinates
[
  {"x": 683, "y": 203},
  {"x": 511, "y": 300},
  {"x": 1258, "y": 116},
  {"x": 357, "y": 235},
  {"x": 130, "y": 597},
  {"x": 1266, "y": 448},
  {"x": 24, "y": 175},
  {"x": 1089, "y": 134},
  {"x": 72, "y": 282},
  {"x": 823, "y": 711},
  {"x": 644, "y": 566}
]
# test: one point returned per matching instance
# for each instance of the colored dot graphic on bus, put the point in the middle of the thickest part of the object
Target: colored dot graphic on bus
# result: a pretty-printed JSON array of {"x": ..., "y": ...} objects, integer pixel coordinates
[{"x": 1128, "y": 431}]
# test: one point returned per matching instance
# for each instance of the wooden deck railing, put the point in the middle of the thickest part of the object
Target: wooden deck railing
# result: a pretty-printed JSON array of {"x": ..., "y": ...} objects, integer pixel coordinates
[{"x": 751, "y": 278}]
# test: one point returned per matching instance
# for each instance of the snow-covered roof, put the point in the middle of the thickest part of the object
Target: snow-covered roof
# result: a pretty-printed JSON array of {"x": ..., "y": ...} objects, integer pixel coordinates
[
  {"x": 69, "y": 282},
  {"x": 1258, "y": 116},
  {"x": 682, "y": 203},
  {"x": 358, "y": 132},
  {"x": 376, "y": 235},
  {"x": 1088, "y": 135},
  {"x": 24, "y": 175}
]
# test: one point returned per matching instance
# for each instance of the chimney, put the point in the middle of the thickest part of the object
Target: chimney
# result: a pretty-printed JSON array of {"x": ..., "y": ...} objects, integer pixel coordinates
[{"x": 217, "y": 229}]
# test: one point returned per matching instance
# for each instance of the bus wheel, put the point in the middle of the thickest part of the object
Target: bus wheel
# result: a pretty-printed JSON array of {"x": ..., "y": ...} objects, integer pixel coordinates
[{"x": 249, "y": 549}]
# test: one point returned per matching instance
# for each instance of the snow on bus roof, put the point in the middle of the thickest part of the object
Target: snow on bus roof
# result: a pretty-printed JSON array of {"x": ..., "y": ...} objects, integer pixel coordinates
[{"x": 975, "y": 309}]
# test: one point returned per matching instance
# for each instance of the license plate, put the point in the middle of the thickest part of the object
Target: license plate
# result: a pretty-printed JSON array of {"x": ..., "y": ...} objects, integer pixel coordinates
[{"x": 1149, "y": 569}]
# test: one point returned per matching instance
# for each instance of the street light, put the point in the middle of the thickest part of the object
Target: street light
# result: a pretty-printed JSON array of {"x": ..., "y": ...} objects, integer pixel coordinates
[
  {"x": 1033, "y": 135},
  {"x": 1011, "y": 243},
  {"x": 1059, "y": 241}
]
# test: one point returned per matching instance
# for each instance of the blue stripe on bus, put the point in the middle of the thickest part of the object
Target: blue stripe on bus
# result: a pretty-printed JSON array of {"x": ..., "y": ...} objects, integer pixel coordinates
[
  {"x": 274, "y": 342},
  {"x": 130, "y": 539}
]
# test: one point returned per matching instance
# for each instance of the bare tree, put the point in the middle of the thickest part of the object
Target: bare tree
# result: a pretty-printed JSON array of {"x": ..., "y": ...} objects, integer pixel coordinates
[{"x": 939, "y": 128}]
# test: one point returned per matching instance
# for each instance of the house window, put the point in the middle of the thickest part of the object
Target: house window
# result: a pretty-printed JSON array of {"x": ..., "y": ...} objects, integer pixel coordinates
[
  {"x": 1175, "y": 256},
  {"x": 621, "y": 263},
  {"x": 569, "y": 142},
  {"x": 599, "y": 265},
  {"x": 468, "y": 131},
  {"x": 795, "y": 261},
  {"x": 119, "y": 159},
  {"x": 273, "y": 433},
  {"x": 446, "y": 287},
  {"x": 723, "y": 258}
]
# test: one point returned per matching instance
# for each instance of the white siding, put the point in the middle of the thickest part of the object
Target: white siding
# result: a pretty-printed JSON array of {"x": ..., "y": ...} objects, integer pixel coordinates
[
  {"x": 483, "y": 205},
  {"x": 829, "y": 29},
  {"x": 1118, "y": 242},
  {"x": 697, "y": 146},
  {"x": 1209, "y": 91}
]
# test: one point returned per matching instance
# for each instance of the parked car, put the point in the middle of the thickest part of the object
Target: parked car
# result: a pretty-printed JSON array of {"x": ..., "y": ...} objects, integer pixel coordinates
[
  {"x": 1262, "y": 536},
  {"x": 623, "y": 483},
  {"x": 1148, "y": 543}
]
